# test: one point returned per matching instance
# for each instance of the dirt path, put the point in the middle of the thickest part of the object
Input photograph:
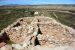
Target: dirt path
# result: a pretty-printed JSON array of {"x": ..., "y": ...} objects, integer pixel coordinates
[{"x": 55, "y": 15}]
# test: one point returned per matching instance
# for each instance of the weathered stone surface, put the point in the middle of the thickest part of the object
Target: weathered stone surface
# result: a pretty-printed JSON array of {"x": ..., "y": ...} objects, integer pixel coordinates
[
  {"x": 6, "y": 47},
  {"x": 39, "y": 33},
  {"x": 2, "y": 44},
  {"x": 56, "y": 48}
]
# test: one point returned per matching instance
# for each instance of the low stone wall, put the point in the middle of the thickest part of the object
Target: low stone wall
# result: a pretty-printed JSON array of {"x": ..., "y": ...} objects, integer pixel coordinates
[{"x": 39, "y": 31}]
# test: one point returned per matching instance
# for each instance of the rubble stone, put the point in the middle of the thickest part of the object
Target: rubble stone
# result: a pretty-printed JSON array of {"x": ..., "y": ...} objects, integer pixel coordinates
[
  {"x": 2, "y": 44},
  {"x": 25, "y": 33},
  {"x": 6, "y": 47}
]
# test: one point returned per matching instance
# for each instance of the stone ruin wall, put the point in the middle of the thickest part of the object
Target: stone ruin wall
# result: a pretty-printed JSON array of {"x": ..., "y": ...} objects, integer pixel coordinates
[
  {"x": 16, "y": 30},
  {"x": 42, "y": 31}
]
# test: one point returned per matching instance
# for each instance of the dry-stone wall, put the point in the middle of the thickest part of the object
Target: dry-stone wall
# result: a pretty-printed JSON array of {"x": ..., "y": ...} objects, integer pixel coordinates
[{"x": 37, "y": 33}]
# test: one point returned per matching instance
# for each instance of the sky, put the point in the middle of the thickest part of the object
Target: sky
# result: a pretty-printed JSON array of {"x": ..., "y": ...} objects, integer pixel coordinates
[{"x": 33, "y": 2}]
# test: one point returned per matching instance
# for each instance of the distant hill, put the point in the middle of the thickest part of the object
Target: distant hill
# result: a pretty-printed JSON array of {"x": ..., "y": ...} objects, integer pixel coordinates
[
  {"x": 40, "y": 5},
  {"x": 11, "y": 5}
]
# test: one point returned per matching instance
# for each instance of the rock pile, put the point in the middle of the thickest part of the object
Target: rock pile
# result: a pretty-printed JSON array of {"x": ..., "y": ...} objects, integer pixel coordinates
[{"x": 34, "y": 32}]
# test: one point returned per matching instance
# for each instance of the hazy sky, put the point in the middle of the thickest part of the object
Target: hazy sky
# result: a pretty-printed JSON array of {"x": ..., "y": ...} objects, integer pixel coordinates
[{"x": 26, "y": 2}]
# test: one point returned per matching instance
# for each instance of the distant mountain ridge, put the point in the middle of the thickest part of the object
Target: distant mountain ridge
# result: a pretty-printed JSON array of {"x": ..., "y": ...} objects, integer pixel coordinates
[{"x": 39, "y": 5}]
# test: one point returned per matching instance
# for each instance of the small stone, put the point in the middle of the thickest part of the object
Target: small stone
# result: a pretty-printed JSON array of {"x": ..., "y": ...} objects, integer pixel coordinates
[
  {"x": 6, "y": 47},
  {"x": 17, "y": 46},
  {"x": 2, "y": 44}
]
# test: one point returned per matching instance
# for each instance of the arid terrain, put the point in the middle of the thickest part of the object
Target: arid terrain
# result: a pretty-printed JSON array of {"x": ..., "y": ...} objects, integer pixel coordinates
[
  {"x": 37, "y": 28},
  {"x": 37, "y": 33}
]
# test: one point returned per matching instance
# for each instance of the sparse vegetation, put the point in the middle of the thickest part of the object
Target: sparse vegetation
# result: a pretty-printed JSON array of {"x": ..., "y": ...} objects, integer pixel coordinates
[
  {"x": 64, "y": 18},
  {"x": 8, "y": 16},
  {"x": 38, "y": 28}
]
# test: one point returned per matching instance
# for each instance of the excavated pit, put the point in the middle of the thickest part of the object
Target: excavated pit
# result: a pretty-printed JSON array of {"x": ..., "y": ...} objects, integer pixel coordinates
[
  {"x": 37, "y": 31},
  {"x": 4, "y": 37},
  {"x": 18, "y": 24}
]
